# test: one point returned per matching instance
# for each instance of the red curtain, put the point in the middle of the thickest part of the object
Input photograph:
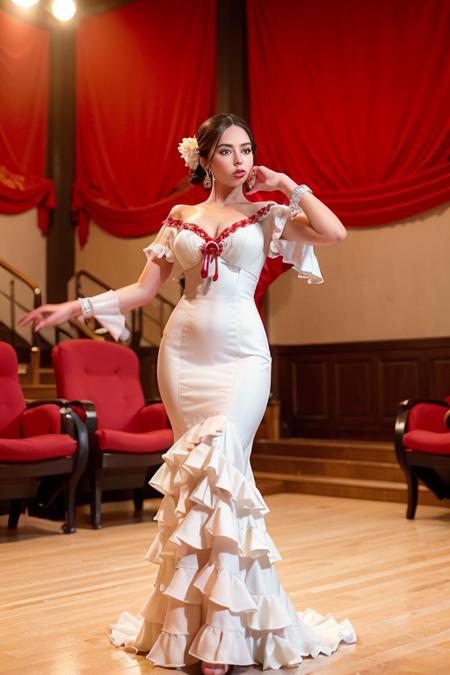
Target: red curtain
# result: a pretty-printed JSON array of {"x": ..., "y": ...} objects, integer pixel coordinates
[
  {"x": 145, "y": 79},
  {"x": 353, "y": 99},
  {"x": 24, "y": 83}
]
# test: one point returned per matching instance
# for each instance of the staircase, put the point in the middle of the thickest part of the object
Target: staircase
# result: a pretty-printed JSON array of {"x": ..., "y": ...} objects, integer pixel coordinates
[{"x": 335, "y": 468}]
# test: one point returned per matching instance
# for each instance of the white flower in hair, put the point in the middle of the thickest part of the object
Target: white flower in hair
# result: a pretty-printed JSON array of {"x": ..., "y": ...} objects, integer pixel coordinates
[{"x": 188, "y": 149}]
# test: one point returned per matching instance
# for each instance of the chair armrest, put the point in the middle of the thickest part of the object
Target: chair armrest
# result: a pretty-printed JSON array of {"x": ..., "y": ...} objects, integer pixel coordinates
[
  {"x": 152, "y": 417},
  {"x": 87, "y": 412},
  {"x": 410, "y": 402},
  {"x": 74, "y": 426},
  {"x": 41, "y": 419},
  {"x": 447, "y": 419}
]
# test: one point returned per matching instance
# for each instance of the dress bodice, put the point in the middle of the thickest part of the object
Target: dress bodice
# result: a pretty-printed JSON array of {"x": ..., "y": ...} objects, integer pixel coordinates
[{"x": 243, "y": 246}]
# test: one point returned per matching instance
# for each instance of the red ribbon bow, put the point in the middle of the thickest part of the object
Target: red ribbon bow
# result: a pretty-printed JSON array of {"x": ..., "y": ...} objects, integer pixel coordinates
[{"x": 211, "y": 251}]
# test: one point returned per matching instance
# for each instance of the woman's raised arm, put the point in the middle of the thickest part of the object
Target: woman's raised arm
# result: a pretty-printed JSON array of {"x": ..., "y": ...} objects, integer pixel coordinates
[{"x": 317, "y": 225}]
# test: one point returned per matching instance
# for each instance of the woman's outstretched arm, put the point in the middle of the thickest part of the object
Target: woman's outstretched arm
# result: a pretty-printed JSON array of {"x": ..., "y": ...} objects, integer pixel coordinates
[{"x": 154, "y": 274}]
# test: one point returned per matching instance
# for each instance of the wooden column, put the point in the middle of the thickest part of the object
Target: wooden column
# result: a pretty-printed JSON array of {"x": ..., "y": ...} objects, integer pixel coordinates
[
  {"x": 61, "y": 159},
  {"x": 232, "y": 90}
]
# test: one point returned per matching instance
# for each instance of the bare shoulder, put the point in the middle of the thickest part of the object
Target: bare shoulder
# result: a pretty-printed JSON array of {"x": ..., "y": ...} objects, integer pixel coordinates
[{"x": 176, "y": 211}]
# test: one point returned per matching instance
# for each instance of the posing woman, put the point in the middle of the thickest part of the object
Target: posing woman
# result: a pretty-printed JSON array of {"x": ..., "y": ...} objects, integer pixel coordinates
[{"x": 217, "y": 598}]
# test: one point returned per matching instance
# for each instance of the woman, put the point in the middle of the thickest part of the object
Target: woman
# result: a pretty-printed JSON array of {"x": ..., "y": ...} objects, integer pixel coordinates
[{"x": 217, "y": 598}]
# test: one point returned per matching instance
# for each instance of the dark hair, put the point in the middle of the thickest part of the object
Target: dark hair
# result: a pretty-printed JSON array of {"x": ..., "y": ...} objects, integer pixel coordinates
[{"x": 208, "y": 135}]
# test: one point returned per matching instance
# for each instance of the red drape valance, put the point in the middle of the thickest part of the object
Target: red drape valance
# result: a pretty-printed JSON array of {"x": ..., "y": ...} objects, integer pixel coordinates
[
  {"x": 352, "y": 98},
  {"x": 24, "y": 83},
  {"x": 145, "y": 79}
]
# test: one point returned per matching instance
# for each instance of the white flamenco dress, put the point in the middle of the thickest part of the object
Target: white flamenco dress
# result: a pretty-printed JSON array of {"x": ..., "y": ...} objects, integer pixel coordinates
[{"x": 217, "y": 597}]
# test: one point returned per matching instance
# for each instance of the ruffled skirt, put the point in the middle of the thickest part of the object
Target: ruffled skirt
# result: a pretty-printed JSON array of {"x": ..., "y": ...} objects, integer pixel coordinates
[{"x": 217, "y": 597}]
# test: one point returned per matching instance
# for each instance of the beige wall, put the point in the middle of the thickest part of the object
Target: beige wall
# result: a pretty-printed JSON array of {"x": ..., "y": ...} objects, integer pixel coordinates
[
  {"x": 381, "y": 283},
  {"x": 390, "y": 282}
]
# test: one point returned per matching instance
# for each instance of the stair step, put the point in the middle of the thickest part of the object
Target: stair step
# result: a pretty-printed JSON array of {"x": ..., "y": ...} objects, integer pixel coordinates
[
  {"x": 327, "y": 448},
  {"x": 344, "y": 468},
  {"x": 269, "y": 486},
  {"x": 388, "y": 491}
]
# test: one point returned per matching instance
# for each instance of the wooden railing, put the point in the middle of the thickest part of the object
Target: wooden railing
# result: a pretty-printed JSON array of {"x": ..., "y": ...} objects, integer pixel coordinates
[{"x": 14, "y": 304}]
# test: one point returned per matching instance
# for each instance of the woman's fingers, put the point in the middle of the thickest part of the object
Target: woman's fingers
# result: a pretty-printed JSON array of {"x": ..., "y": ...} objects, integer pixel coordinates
[
  {"x": 40, "y": 316},
  {"x": 34, "y": 315}
]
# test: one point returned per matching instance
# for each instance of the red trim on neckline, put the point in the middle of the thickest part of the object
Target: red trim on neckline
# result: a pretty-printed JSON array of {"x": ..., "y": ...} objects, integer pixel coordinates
[{"x": 193, "y": 227}]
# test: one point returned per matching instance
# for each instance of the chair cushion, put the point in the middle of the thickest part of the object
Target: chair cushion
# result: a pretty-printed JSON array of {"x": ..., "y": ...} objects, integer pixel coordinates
[
  {"x": 427, "y": 441},
  {"x": 427, "y": 416},
  {"x": 105, "y": 373},
  {"x": 152, "y": 417},
  {"x": 37, "y": 448},
  {"x": 123, "y": 441},
  {"x": 44, "y": 419}
]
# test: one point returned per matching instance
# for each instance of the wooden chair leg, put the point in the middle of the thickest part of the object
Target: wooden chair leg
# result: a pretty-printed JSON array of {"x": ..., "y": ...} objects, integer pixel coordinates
[
  {"x": 15, "y": 511},
  {"x": 138, "y": 499},
  {"x": 96, "y": 499},
  {"x": 69, "y": 525},
  {"x": 413, "y": 493}
]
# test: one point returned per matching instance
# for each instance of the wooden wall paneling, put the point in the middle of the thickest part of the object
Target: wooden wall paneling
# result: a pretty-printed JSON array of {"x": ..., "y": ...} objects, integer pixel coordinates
[
  {"x": 353, "y": 401},
  {"x": 310, "y": 389},
  {"x": 440, "y": 377},
  {"x": 397, "y": 379},
  {"x": 352, "y": 390}
]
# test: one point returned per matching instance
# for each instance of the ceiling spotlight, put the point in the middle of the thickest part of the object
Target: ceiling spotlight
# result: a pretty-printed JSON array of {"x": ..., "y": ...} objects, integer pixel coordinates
[
  {"x": 25, "y": 3},
  {"x": 63, "y": 10}
]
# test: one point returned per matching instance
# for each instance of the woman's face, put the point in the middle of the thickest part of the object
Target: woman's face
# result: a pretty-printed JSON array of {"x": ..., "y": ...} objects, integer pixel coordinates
[{"x": 232, "y": 158}]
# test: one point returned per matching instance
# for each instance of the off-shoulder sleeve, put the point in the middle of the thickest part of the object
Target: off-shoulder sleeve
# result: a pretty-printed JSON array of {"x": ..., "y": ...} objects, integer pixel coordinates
[
  {"x": 162, "y": 245},
  {"x": 301, "y": 256}
]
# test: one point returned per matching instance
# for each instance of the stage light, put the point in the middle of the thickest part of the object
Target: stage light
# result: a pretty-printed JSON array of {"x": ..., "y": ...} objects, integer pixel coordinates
[
  {"x": 63, "y": 10},
  {"x": 25, "y": 3}
]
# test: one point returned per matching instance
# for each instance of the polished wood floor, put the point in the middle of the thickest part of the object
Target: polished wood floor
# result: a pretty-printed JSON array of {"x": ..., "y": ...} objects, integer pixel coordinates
[{"x": 353, "y": 558}]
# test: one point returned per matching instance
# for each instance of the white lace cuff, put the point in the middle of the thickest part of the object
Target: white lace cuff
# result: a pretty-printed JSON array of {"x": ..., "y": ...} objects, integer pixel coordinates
[
  {"x": 105, "y": 308},
  {"x": 300, "y": 256}
]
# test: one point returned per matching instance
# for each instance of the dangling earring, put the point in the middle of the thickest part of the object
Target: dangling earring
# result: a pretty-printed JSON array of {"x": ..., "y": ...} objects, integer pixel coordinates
[{"x": 207, "y": 181}]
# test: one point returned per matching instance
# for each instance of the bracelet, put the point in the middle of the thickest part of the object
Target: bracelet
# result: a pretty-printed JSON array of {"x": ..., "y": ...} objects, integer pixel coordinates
[
  {"x": 86, "y": 307},
  {"x": 299, "y": 190}
]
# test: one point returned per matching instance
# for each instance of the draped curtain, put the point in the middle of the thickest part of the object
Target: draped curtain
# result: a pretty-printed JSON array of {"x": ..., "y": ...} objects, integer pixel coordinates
[
  {"x": 24, "y": 85},
  {"x": 352, "y": 98},
  {"x": 145, "y": 79}
]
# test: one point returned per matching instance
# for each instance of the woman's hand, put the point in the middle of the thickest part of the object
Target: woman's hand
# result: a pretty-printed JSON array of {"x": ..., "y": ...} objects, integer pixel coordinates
[
  {"x": 51, "y": 315},
  {"x": 262, "y": 179}
]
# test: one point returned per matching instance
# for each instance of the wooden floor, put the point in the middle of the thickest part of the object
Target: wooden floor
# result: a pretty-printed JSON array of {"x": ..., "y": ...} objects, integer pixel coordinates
[{"x": 360, "y": 559}]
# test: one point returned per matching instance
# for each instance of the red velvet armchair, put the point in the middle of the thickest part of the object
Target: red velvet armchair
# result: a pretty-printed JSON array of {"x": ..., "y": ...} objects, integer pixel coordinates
[
  {"x": 126, "y": 436},
  {"x": 38, "y": 440},
  {"x": 422, "y": 444}
]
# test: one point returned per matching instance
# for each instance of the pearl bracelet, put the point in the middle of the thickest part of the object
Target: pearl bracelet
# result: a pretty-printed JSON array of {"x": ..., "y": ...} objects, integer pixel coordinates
[
  {"x": 299, "y": 190},
  {"x": 86, "y": 307}
]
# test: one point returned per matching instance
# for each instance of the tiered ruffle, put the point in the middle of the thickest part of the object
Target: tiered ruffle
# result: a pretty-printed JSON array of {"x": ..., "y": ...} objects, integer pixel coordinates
[{"x": 217, "y": 597}]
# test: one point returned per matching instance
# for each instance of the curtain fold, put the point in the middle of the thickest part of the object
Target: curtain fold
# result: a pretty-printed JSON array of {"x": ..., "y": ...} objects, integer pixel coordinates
[
  {"x": 24, "y": 86},
  {"x": 145, "y": 79},
  {"x": 352, "y": 98}
]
